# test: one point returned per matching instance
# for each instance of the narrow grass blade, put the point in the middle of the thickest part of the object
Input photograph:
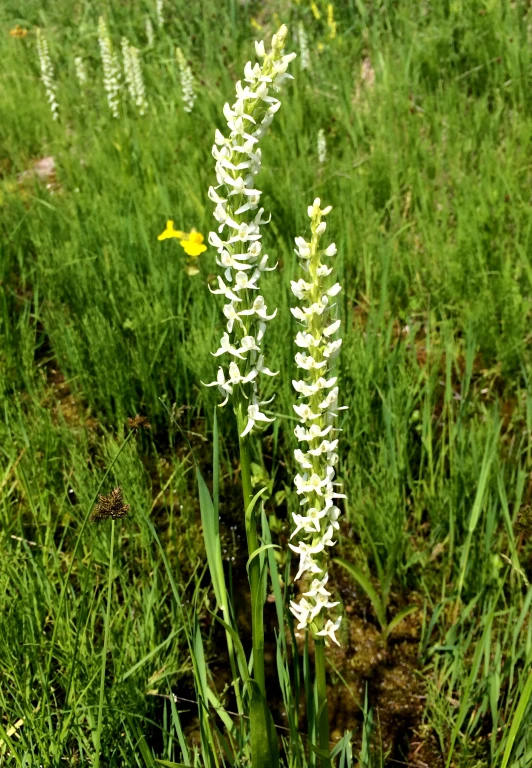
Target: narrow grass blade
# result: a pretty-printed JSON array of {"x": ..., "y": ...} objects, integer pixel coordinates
[
  {"x": 399, "y": 617},
  {"x": 517, "y": 719}
]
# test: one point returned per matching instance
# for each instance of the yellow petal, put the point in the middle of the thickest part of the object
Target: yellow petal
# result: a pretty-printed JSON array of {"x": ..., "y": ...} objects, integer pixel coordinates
[
  {"x": 193, "y": 249},
  {"x": 171, "y": 232},
  {"x": 195, "y": 237}
]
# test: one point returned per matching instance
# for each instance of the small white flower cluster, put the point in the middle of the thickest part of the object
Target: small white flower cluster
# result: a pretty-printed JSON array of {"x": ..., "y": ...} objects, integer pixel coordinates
[
  {"x": 133, "y": 76},
  {"x": 150, "y": 36},
  {"x": 81, "y": 72},
  {"x": 304, "y": 49},
  {"x": 111, "y": 68},
  {"x": 47, "y": 73},
  {"x": 317, "y": 410},
  {"x": 322, "y": 146},
  {"x": 159, "y": 12},
  {"x": 187, "y": 81},
  {"x": 238, "y": 160}
]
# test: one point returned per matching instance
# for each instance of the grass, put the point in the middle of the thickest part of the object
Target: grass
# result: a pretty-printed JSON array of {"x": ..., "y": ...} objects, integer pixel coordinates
[{"x": 429, "y": 175}]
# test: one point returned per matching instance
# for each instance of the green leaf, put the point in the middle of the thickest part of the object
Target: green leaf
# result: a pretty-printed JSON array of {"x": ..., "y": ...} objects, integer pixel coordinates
[
  {"x": 211, "y": 535},
  {"x": 169, "y": 764},
  {"x": 398, "y": 618},
  {"x": 264, "y": 742},
  {"x": 251, "y": 505},
  {"x": 240, "y": 653},
  {"x": 368, "y": 588},
  {"x": 258, "y": 551}
]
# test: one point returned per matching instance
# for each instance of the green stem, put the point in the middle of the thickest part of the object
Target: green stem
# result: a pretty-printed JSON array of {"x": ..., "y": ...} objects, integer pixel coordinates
[
  {"x": 322, "y": 710},
  {"x": 257, "y": 618},
  {"x": 97, "y": 738}
]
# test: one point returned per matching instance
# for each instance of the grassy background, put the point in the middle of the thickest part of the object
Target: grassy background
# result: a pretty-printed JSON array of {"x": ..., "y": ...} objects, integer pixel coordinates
[{"x": 427, "y": 117}]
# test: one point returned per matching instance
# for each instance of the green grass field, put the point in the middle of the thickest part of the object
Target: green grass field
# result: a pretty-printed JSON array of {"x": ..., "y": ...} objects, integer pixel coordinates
[{"x": 427, "y": 116}]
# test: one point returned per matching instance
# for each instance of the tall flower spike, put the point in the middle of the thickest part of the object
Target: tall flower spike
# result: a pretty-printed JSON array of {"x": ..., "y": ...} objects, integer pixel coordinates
[
  {"x": 47, "y": 73},
  {"x": 238, "y": 239},
  {"x": 159, "y": 11},
  {"x": 303, "y": 46},
  {"x": 81, "y": 72},
  {"x": 187, "y": 81},
  {"x": 133, "y": 76},
  {"x": 317, "y": 409},
  {"x": 150, "y": 35},
  {"x": 322, "y": 146},
  {"x": 111, "y": 68}
]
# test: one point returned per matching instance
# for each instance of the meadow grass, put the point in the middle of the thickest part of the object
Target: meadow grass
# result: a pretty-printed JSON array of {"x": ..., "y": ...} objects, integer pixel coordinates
[{"x": 427, "y": 120}]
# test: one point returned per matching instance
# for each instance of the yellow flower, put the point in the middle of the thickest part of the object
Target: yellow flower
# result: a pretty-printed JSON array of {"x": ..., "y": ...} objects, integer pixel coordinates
[
  {"x": 193, "y": 243},
  {"x": 171, "y": 232},
  {"x": 330, "y": 21},
  {"x": 321, "y": 47},
  {"x": 315, "y": 10},
  {"x": 18, "y": 31},
  {"x": 255, "y": 24}
]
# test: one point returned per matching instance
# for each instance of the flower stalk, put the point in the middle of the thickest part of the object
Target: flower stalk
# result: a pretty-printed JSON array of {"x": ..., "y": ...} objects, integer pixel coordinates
[{"x": 237, "y": 241}]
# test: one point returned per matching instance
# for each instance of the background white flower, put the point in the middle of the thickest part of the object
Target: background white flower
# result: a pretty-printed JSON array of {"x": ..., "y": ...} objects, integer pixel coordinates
[
  {"x": 111, "y": 68},
  {"x": 47, "y": 73},
  {"x": 187, "y": 81}
]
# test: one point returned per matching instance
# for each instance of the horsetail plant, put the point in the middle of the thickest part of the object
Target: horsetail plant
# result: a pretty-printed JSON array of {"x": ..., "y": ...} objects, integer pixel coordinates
[
  {"x": 238, "y": 161},
  {"x": 317, "y": 409}
]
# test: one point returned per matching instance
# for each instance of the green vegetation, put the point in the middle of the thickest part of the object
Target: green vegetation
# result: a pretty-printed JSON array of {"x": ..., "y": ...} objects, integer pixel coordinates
[{"x": 427, "y": 119}]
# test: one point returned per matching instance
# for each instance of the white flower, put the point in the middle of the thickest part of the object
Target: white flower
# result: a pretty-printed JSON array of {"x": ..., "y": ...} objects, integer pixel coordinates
[
  {"x": 254, "y": 415},
  {"x": 305, "y": 412},
  {"x": 227, "y": 348},
  {"x": 236, "y": 377},
  {"x": 307, "y": 435},
  {"x": 312, "y": 484},
  {"x": 302, "y": 459},
  {"x": 330, "y": 629},
  {"x": 223, "y": 385},
  {"x": 330, "y": 250},
  {"x": 309, "y": 363},
  {"x": 224, "y": 290},
  {"x": 306, "y": 340}
]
